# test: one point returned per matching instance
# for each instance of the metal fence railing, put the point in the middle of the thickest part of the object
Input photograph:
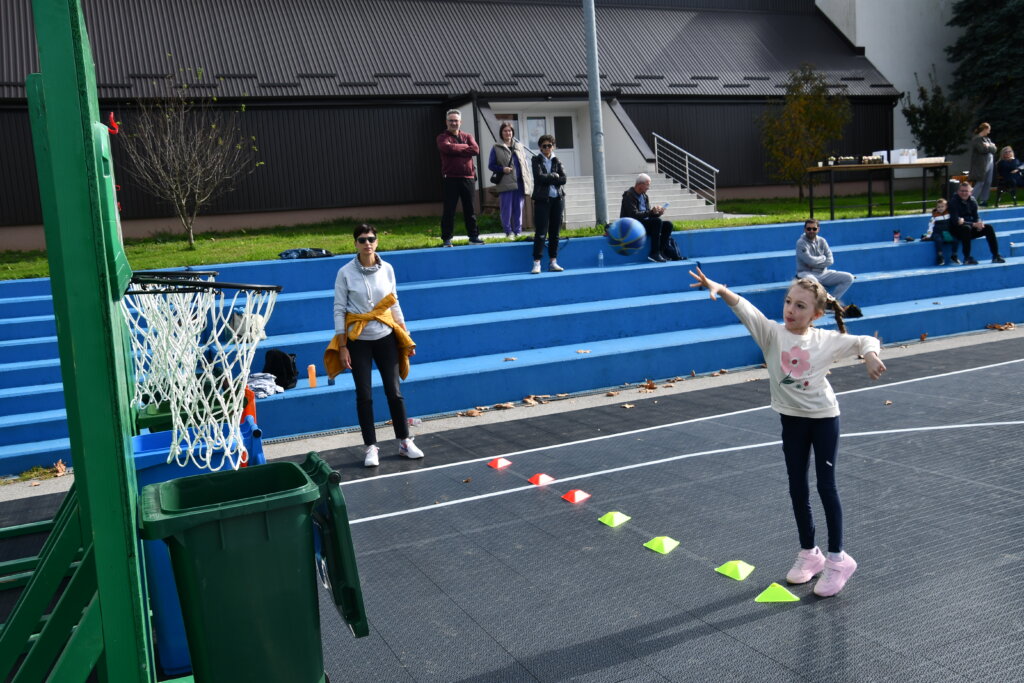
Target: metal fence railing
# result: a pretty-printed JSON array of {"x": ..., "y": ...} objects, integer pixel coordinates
[{"x": 691, "y": 172}]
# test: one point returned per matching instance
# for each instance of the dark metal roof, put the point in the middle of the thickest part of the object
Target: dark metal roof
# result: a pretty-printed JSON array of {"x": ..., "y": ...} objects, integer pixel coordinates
[{"x": 444, "y": 49}]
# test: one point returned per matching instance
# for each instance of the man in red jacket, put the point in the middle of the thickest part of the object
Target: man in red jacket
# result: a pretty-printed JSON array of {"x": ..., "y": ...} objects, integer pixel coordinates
[{"x": 457, "y": 151}]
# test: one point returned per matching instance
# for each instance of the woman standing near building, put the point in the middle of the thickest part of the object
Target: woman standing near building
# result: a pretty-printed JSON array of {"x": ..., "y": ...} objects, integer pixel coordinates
[
  {"x": 548, "y": 201},
  {"x": 982, "y": 151},
  {"x": 508, "y": 163}
]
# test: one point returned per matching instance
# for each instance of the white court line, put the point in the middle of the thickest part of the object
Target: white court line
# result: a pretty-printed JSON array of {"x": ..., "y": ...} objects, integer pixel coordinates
[
  {"x": 664, "y": 426},
  {"x": 673, "y": 458}
]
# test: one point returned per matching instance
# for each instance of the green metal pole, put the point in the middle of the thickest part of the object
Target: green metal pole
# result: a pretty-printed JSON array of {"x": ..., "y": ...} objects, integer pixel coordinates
[{"x": 89, "y": 273}]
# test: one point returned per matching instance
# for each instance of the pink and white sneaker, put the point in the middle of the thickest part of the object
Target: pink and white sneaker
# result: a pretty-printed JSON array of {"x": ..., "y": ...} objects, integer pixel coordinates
[
  {"x": 808, "y": 563},
  {"x": 835, "y": 576}
]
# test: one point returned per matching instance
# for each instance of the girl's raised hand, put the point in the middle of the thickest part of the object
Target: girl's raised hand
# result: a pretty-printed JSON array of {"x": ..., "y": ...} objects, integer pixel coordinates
[{"x": 703, "y": 280}]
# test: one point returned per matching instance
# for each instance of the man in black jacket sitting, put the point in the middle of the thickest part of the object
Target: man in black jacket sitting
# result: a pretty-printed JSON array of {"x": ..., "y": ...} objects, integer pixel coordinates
[
  {"x": 966, "y": 225},
  {"x": 636, "y": 204}
]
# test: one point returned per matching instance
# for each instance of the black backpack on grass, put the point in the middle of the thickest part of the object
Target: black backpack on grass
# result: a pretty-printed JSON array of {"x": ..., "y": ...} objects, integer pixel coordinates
[{"x": 282, "y": 366}]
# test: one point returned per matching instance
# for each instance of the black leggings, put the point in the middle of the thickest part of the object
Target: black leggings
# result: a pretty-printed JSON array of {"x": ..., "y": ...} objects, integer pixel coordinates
[
  {"x": 799, "y": 434},
  {"x": 383, "y": 352}
]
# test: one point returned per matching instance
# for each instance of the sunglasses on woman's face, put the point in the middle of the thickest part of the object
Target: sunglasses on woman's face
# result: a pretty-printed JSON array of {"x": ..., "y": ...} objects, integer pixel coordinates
[
  {"x": 546, "y": 145},
  {"x": 366, "y": 240}
]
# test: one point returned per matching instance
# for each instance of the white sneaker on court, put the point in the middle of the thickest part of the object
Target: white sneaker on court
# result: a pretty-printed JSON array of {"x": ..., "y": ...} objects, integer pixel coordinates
[
  {"x": 808, "y": 563},
  {"x": 372, "y": 456},
  {"x": 407, "y": 449}
]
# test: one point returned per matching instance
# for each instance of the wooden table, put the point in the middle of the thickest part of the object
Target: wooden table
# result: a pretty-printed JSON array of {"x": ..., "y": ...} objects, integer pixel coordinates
[{"x": 888, "y": 168}]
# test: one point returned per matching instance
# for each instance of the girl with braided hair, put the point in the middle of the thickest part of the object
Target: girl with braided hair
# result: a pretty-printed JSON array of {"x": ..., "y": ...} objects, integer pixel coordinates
[{"x": 798, "y": 357}]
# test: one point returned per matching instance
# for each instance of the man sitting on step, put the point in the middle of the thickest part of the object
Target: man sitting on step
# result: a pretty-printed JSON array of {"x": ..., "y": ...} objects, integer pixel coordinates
[
  {"x": 636, "y": 204},
  {"x": 966, "y": 225},
  {"x": 813, "y": 258}
]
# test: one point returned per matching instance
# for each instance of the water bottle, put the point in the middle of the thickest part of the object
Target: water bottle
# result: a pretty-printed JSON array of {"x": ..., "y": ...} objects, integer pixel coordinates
[
  {"x": 895, "y": 235},
  {"x": 600, "y": 258},
  {"x": 415, "y": 422}
]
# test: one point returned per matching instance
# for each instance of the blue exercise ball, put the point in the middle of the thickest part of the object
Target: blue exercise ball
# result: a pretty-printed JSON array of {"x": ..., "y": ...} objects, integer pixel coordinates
[{"x": 626, "y": 236}]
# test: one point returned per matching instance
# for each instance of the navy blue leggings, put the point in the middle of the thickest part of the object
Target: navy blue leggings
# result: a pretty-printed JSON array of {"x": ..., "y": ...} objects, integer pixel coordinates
[{"x": 799, "y": 434}]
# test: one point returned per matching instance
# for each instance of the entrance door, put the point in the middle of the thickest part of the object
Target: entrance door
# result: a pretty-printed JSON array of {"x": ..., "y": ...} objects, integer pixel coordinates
[{"x": 563, "y": 127}]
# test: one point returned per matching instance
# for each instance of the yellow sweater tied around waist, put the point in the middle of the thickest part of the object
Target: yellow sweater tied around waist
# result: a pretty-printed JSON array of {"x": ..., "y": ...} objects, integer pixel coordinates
[{"x": 355, "y": 323}]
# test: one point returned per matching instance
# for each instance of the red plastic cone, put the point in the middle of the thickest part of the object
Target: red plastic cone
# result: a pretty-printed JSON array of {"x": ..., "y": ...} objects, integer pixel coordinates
[
  {"x": 540, "y": 479},
  {"x": 576, "y": 496},
  {"x": 498, "y": 463}
]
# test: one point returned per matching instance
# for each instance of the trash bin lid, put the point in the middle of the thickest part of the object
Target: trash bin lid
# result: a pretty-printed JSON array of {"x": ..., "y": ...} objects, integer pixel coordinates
[{"x": 336, "y": 555}]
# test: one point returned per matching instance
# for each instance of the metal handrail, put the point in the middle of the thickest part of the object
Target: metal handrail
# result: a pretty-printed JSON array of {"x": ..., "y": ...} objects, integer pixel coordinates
[{"x": 693, "y": 173}]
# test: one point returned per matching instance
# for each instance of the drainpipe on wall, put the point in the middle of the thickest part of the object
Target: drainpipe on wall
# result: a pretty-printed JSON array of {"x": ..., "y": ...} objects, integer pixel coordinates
[{"x": 479, "y": 156}]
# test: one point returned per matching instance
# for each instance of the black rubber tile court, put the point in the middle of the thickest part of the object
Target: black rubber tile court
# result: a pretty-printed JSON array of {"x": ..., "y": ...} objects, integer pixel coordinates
[{"x": 474, "y": 574}]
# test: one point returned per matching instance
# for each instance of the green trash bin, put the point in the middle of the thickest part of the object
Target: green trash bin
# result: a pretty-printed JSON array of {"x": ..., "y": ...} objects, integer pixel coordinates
[{"x": 241, "y": 545}]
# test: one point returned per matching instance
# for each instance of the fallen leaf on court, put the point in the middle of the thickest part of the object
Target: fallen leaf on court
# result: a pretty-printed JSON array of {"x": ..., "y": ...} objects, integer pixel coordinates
[
  {"x": 510, "y": 358},
  {"x": 542, "y": 396},
  {"x": 36, "y": 483},
  {"x": 561, "y": 395},
  {"x": 668, "y": 386},
  {"x": 677, "y": 379},
  {"x": 387, "y": 422},
  {"x": 612, "y": 393},
  {"x": 627, "y": 406},
  {"x": 924, "y": 335},
  {"x": 750, "y": 379},
  {"x": 528, "y": 401},
  {"x": 470, "y": 413},
  {"x": 715, "y": 374},
  {"x": 645, "y": 390},
  {"x": 60, "y": 469},
  {"x": 723, "y": 372},
  {"x": 650, "y": 384},
  {"x": 483, "y": 408},
  {"x": 997, "y": 326},
  {"x": 582, "y": 350},
  {"x": 888, "y": 403},
  {"x": 467, "y": 480},
  {"x": 504, "y": 406}
]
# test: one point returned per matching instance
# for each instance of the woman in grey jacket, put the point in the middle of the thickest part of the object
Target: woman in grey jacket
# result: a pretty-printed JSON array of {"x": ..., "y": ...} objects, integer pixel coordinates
[
  {"x": 515, "y": 181},
  {"x": 982, "y": 163}
]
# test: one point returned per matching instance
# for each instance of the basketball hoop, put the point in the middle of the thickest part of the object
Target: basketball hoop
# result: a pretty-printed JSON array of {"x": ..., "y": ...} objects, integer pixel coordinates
[{"x": 193, "y": 341}]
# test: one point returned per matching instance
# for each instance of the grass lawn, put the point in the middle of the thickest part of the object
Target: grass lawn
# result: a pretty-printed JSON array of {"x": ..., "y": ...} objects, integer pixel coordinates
[{"x": 171, "y": 250}]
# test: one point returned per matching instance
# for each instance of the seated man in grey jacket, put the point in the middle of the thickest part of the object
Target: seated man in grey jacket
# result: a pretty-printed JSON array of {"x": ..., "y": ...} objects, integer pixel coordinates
[{"x": 813, "y": 258}]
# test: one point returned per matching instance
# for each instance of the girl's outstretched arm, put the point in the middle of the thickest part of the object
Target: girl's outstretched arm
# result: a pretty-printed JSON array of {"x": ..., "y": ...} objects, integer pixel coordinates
[
  {"x": 716, "y": 289},
  {"x": 874, "y": 364}
]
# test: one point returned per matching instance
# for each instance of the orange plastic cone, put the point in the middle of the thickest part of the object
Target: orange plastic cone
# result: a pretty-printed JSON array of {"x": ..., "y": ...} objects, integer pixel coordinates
[
  {"x": 499, "y": 463},
  {"x": 540, "y": 479},
  {"x": 576, "y": 496}
]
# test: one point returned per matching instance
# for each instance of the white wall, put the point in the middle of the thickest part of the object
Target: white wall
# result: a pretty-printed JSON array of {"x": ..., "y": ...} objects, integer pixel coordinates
[{"x": 900, "y": 38}]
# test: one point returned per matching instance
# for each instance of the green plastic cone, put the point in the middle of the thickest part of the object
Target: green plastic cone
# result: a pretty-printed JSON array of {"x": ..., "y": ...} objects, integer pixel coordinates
[
  {"x": 662, "y": 544},
  {"x": 614, "y": 518},
  {"x": 735, "y": 569},
  {"x": 776, "y": 593}
]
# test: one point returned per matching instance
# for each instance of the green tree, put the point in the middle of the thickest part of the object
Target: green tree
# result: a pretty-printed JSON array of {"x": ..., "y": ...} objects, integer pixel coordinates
[
  {"x": 987, "y": 57},
  {"x": 799, "y": 132},
  {"x": 939, "y": 125}
]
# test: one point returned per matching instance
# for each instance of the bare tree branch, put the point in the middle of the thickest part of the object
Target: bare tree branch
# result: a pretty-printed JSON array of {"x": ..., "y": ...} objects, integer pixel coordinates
[{"x": 187, "y": 153}]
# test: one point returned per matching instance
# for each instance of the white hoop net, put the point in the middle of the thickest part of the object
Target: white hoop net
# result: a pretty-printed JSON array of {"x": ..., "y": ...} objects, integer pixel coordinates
[{"x": 193, "y": 341}]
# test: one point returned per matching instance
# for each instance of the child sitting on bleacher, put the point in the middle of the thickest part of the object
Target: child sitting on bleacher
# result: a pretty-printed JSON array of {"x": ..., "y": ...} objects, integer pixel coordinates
[{"x": 936, "y": 226}]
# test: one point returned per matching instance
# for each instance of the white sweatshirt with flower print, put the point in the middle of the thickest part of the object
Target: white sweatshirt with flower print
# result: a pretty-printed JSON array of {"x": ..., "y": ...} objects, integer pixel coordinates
[{"x": 798, "y": 364}]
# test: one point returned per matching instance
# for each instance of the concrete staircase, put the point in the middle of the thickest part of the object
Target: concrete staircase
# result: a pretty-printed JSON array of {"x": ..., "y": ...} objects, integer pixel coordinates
[
  {"x": 471, "y": 309},
  {"x": 683, "y": 204}
]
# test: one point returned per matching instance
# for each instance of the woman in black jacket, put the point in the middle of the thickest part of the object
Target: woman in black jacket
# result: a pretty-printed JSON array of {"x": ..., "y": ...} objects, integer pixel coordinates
[{"x": 548, "y": 202}]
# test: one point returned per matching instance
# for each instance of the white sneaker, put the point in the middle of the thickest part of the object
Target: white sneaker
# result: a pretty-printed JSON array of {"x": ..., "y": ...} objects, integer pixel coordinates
[
  {"x": 536, "y": 268},
  {"x": 554, "y": 267},
  {"x": 372, "y": 456},
  {"x": 407, "y": 449}
]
